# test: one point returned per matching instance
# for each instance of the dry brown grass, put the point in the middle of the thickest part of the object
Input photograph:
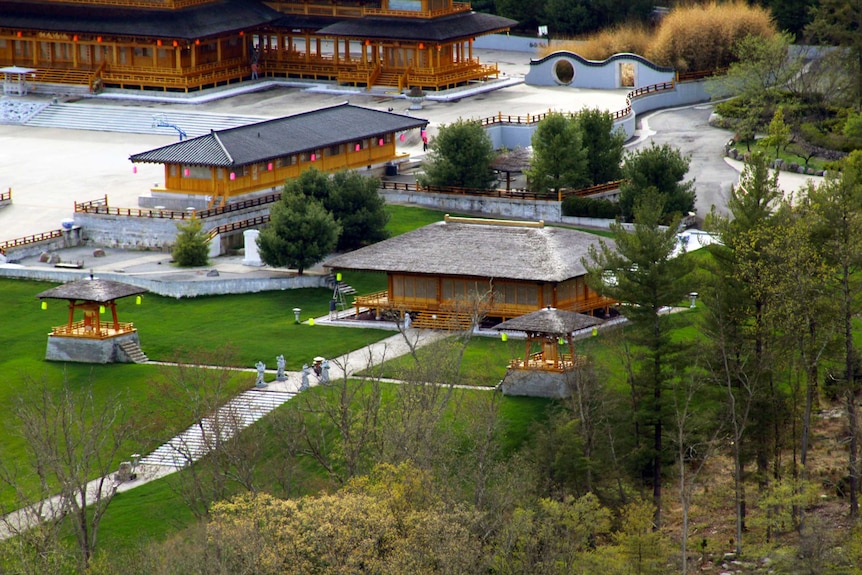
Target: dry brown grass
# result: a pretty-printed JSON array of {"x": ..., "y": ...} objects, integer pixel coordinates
[{"x": 691, "y": 38}]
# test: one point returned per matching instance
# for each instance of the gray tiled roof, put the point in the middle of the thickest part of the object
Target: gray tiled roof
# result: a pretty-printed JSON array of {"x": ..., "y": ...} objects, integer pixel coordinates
[
  {"x": 478, "y": 250},
  {"x": 188, "y": 23},
  {"x": 464, "y": 25},
  {"x": 279, "y": 137}
]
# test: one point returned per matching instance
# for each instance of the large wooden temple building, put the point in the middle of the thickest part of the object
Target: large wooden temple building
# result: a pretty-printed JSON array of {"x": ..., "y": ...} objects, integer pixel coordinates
[
  {"x": 183, "y": 45},
  {"x": 444, "y": 273}
]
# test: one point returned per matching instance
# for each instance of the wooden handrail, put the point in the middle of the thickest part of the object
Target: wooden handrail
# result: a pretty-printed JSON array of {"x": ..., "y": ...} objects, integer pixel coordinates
[{"x": 31, "y": 239}]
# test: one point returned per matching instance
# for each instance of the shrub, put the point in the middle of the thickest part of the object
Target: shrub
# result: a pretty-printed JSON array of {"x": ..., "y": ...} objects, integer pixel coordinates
[
  {"x": 689, "y": 38},
  {"x": 695, "y": 38},
  {"x": 578, "y": 207},
  {"x": 191, "y": 247}
]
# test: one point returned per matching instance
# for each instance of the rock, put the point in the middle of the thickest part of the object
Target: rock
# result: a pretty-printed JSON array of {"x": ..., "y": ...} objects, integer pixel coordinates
[
  {"x": 212, "y": 274},
  {"x": 793, "y": 166},
  {"x": 820, "y": 173},
  {"x": 44, "y": 257},
  {"x": 809, "y": 171},
  {"x": 800, "y": 169},
  {"x": 54, "y": 259},
  {"x": 99, "y": 253}
]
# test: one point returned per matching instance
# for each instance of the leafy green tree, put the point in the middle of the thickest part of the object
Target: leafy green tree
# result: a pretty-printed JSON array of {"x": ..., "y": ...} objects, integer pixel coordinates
[
  {"x": 734, "y": 320},
  {"x": 640, "y": 270},
  {"x": 528, "y": 13},
  {"x": 559, "y": 159},
  {"x": 837, "y": 22},
  {"x": 778, "y": 135},
  {"x": 660, "y": 167},
  {"x": 838, "y": 204},
  {"x": 191, "y": 247},
  {"x": 603, "y": 145},
  {"x": 460, "y": 155},
  {"x": 358, "y": 207},
  {"x": 791, "y": 15},
  {"x": 300, "y": 233}
]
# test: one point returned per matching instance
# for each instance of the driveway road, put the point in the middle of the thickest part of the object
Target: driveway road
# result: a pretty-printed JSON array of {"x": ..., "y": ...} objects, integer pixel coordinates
[{"x": 688, "y": 129}]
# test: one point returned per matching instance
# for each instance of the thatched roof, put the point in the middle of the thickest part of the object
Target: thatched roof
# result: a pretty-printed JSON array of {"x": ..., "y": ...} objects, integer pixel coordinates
[
  {"x": 513, "y": 161},
  {"x": 459, "y": 247},
  {"x": 99, "y": 291},
  {"x": 551, "y": 321}
]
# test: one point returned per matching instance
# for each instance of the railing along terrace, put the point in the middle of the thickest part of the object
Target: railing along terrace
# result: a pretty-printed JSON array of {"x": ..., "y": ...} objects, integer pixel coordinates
[
  {"x": 32, "y": 239},
  {"x": 6, "y": 196},
  {"x": 235, "y": 226},
  {"x": 100, "y": 206},
  {"x": 103, "y": 330},
  {"x": 517, "y": 193}
]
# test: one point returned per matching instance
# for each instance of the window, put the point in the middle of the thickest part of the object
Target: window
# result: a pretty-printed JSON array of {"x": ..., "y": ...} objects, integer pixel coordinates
[
  {"x": 335, "y": 150},
  {"x": 196, "y": 172}
]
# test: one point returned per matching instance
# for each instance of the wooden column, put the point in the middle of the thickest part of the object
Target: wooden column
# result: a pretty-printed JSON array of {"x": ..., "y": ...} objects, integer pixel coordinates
[
  {"x": 307, "y": 46},
  {"x": 335, "y": 52}
]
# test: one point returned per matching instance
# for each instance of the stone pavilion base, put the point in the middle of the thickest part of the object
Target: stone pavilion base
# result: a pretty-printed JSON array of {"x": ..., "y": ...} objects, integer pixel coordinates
[
  {"x": 536, "y": 383},
  {"x": 87, "y": 350}
]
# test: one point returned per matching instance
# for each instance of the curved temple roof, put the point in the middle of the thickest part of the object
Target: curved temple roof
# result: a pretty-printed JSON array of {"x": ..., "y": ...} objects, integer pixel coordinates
[
  {"x": 464, "y": 25},
  {"x": 550, "y": 321}
]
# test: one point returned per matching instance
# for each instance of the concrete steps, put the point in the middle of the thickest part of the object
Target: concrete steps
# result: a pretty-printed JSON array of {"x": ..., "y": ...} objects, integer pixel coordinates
[
  {"x": 134, "y": 120},
  {"x": 134, "y": 351},
  {"x": 201, "y": 438}
]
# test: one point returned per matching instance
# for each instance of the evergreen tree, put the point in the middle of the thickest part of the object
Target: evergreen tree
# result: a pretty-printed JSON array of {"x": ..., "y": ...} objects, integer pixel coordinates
[
  {"x": 641, "y": 272},
  {"x": 837, "y": 22},
  {"x": 662, "y": 168},
  {"x": 461, "y": 156},
  {"x": 300, "y": 233},
  {"x": 358, "y": 207},
  {"x": 602, "y": 143},
  {"x": 559, "y": 160},
  {"x": 191, "y": 247}
]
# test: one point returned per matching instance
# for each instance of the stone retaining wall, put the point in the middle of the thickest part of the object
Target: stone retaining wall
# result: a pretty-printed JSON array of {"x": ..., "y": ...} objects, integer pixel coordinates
[{"x": 178, "y": 288}]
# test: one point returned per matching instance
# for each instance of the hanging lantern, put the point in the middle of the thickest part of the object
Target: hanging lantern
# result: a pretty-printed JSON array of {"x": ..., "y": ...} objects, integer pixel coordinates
[
  {"x": 232, "y": 176},
  {"x": 44, "y": 305},
  {"x": 401, "y": 137},
  {"x": 176, "y": 43},
  {"x": 338, "y": 277},
  {"x": 186, "y": 172},
  {"x": 367, "y": 42},
  {"x": 380, "y": 142},
  {"x": 311, "y": 322},
  {"x": 75, "y": 38},
  {"x": 504, "y": 336},
  {"x": 134, "y": 169},
  {"x": 269, "y": 166},
  {"x": 138, "y": 300},
  {"x": 421, "y": 46},
  {"x": 158, "y": 42},
  {"x": 358, "y": 147},
  {"x": 19, "y": 34},
  {"x": 197, "y": 42},
  {"x": 98, "y": 39},
  {"x": 595, "y": 331},
  {"x": 313, "y": 157},
  {"x": 101, "y": 309},
  {"x": 561, "y": 341}
]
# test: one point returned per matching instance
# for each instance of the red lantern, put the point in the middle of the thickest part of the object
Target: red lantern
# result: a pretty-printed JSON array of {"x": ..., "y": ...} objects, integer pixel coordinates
[
  {"x": 98, "y": 38},
  {"x": 186, "y": 172},
  {"x": 232, "y": 176},
  {"x": 313, "y": 157},
  {"x": 421, "y": 46},
  {"x": 197, "y": 42},
  {"x": 176, "y": 43},
  {"x": 134, "y": 169},
  {"x": 401, "y": 137},
  {"x": 75, "y": 38},
  {"x": 380, "y": 142},
  {"x": 19, "y": 34},
  {"x": 269, "y": 166},
  {"x": 358, "y": 147},
  {"x": 158, "y": 42}
]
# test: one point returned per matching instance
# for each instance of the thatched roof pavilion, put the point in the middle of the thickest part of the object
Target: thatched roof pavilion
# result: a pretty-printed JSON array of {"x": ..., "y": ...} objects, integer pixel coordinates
[
  {"x": 92, "y": 340},
  {"x": 522, "y": 266}
]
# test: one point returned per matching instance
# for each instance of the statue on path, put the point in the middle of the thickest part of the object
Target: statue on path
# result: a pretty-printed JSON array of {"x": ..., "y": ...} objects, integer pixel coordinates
[
  {"x": 325, "y": 375},
  {"x": 261, "y": 367},
  {"x": 305, "y": 374},
  {"x": 279, "y": 376}
]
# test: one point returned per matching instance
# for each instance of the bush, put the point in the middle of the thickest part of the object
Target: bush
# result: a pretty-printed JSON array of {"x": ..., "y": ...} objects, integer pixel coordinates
[
  {"x": 191, "y": 247},
  {"x": 689, "y": 38},
  {"x": 578, "y": 207},
  {"x": 696, "y": 38}
]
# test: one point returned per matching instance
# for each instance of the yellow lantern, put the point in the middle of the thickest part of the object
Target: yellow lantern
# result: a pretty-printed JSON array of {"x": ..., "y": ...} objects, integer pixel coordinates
[
  {"x": 138, "y": 300},
  {"x": 311, "y": 322},
  {"x": 44, "y": 305},
  {"x": 504, "y": 336},
  {"x": 101, "y": 309}
]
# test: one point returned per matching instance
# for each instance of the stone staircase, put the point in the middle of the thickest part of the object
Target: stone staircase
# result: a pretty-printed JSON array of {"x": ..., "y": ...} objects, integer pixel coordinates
[
  {"x": 134, "y": 351},
  {"x": 204, "y": 436},
  {"x": 133, "y": 120}
]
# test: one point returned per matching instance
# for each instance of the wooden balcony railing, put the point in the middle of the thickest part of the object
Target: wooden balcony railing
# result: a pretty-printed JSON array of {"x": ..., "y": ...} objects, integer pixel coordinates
[
  {"x": 97, "y": 330},
  {"x": 537, "y": 362}
]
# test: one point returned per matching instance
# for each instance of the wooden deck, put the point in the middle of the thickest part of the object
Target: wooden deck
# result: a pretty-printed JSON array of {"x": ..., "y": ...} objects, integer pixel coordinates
[
  {"x": 537, "y": 362},
  {"x": 102, "y": 330}
]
